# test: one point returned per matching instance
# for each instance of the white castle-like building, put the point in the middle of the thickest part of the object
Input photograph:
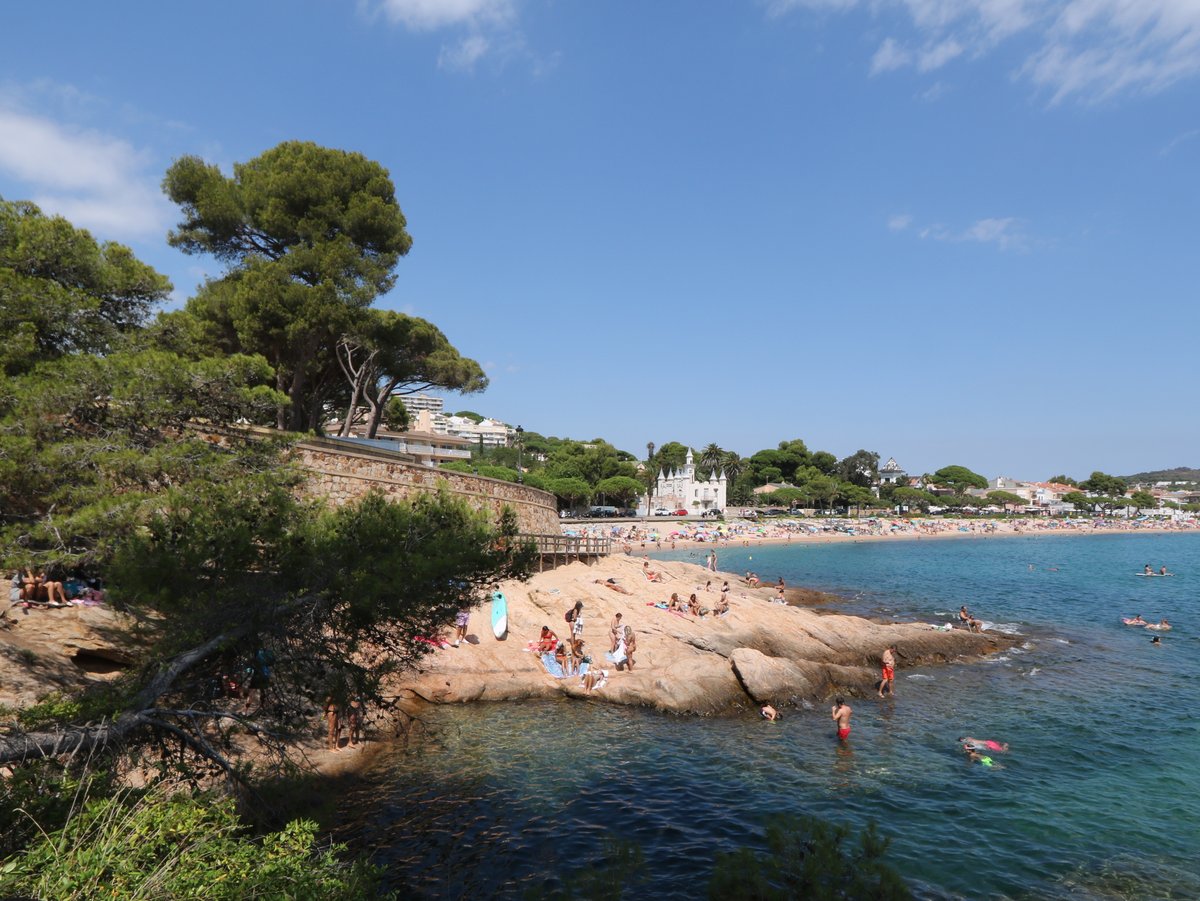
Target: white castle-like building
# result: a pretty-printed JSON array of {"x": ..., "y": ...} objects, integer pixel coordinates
[{"x": 680, "y": 489}]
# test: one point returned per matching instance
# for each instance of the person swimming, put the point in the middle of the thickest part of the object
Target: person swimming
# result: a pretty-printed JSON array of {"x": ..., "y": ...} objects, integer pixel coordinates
[
  {"x": 1134, "y": 621},
  {"x": 983, "y": 744}
]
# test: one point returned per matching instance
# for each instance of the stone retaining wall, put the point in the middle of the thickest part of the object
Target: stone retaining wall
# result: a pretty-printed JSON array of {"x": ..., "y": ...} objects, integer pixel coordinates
[{"x": 342, "y": 475}]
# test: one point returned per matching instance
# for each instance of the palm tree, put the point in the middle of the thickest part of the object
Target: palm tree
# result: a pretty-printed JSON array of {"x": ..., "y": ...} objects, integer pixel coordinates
[
  {"x": 732, "y": 464},
  {"x": 711, "y": 458}
]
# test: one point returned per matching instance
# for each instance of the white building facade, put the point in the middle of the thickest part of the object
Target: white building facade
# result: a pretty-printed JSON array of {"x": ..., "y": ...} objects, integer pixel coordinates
[{"x": 682, "y": 489}]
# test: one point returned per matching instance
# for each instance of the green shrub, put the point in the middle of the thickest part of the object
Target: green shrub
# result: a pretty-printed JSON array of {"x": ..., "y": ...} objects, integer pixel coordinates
[
  {"x": 54, "y": 708},
  {"x": 811, "y": 859},
  {"x": 176, "y": 846}
]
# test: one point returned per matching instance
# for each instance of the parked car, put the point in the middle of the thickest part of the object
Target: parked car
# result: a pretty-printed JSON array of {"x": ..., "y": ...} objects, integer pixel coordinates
[
  {"x": 712, "y": 513},
  {"x": 662, "y": 511},
  {"x": 680, "y": 512}
]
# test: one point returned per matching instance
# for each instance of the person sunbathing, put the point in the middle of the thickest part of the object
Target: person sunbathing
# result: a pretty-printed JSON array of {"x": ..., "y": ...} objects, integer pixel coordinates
[
  {"x": 650, "y": 574},
  {"x": 675, "y": 604},
  {"x": 594, "y": 679},
  {"x": 563, "y": 658},
  {"x": 694, "y": 607},
  {"x": 611, "y": 585},
  {"x": 547, "y": 642},
  {"x": 722, "y": 606}
]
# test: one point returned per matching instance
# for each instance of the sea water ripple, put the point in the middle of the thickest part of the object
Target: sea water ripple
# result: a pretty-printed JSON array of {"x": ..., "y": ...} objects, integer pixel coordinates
[{"x": 1096, "y": 798}]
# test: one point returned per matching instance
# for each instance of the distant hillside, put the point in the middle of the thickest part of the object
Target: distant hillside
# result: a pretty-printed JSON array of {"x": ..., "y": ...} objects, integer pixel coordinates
[{"x": 1178, "y": 474}]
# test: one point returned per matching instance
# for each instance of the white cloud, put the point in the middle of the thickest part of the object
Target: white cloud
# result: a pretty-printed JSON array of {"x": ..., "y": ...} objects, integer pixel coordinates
[
  {"x": 491, "y": 31},
  {"x": 1003, "y": 232},
  {"x": 427, "y": 15},
  {"x": 938, "y": 55},
  {"x": 1087, "y": 49},
  {"x": 96, "y": 180},
  {"x": 463, "y": 55},
  {"x": 1178, "y": 140},
  {"x": 934, "y": 92},
  {"x": 889, "y": 56}
]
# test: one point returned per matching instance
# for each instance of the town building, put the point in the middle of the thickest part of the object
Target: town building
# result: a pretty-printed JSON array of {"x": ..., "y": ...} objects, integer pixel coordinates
[
  {"x": 426, "y": 448},
  {"x": 683, "y": 489},
  {"x": 488, "y": 432},
  {"x": 415, "y": 402},
  {"x": 891, "y": 473},
  {"x": 772, "y": 487}
]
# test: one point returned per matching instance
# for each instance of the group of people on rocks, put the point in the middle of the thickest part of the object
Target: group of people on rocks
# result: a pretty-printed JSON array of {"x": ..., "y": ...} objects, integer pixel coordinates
[
  {"x": 348, "y": 716},
  {"x": 38, "y": 588},
  {"x": 570, "y": 654}
]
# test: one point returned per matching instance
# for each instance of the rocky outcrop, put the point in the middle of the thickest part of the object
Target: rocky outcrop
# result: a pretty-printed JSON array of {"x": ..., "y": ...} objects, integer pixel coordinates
[
  {"x": 45, "y": 649},
  {"x": 760, "y": 652}
]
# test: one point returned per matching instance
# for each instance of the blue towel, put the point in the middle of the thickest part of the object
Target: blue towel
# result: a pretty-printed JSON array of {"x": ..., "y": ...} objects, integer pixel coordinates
[{"x": 553, "y": 668}]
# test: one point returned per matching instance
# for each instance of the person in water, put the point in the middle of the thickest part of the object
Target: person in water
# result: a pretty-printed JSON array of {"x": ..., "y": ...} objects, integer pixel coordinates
[
  {"x": 1156, "y": 641},
  {"x": 1148, "y": 571},
  {"x": 981, "y": 759},
  {"x": 1163, "y": 571},
  {"x": 982, "y": 744},
  {"x": 1136, "y": 621},
  {"x": 841, "y": 715},
  {"x": 769, "y": 713},
  {"x": 888, "y": 672}
]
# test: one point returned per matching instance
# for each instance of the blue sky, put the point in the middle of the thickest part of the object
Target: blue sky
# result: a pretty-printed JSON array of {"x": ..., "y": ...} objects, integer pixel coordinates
[{"x": 951, "y": 231}]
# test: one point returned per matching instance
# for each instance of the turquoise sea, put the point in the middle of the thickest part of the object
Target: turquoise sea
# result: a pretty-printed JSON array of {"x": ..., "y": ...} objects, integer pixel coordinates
[{"x": 1098, "y": 797}]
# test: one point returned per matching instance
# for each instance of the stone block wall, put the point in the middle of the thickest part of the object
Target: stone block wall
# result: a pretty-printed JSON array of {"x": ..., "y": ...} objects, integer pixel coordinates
[{"x": 342, "y": 475}]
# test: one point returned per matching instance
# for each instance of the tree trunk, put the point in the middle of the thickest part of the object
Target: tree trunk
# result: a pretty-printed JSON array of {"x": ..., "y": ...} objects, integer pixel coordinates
[
  {"x": 296, "y": 393},
  {"x": 378, "y": 405}
]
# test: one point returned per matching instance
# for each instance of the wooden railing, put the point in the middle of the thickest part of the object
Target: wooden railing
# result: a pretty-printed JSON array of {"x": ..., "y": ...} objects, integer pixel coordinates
[{"x": 556, "y": 549}]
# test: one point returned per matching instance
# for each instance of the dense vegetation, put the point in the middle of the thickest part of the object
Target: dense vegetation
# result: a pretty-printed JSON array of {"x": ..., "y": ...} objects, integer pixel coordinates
[
  {"x": 579, "y": 472},
  {"x": 123, "y": 458}
]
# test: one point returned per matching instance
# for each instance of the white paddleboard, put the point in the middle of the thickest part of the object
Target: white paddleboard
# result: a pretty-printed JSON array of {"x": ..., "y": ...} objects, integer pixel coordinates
[{"x": 499, "y": 614}]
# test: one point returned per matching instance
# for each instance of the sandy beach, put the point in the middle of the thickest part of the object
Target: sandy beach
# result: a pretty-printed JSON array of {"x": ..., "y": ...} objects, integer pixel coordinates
[{"x": 662, "y": 534}]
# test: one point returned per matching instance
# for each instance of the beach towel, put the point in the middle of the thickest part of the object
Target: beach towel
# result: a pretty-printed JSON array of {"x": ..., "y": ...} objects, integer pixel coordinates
[
  {"x": 618, "y": 656},
  {"x": 555, "y": 669}
]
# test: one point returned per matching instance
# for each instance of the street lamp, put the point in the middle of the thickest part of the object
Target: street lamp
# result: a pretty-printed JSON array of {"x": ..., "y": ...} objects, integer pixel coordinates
[
  {"x": 650, "y": 475},
  {"x": 520, "y": 441}
]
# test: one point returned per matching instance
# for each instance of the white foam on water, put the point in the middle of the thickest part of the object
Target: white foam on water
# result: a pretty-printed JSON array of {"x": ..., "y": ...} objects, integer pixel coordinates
[
  {"x": 920, "y": 676},
  {"x": 1006, "y": 628}
]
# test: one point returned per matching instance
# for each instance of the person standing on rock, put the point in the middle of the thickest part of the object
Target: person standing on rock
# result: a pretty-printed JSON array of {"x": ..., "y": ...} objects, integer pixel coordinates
[
  {"x": 841, "y": 715},
  {"x": 614, "y": 631},
  {"x": 461, "y": 620},
  {"x": 575, "y": 617},
  {"x": 630, "y": 647},
  {"x": 332, "y": 716},
  {"x": 888, "y": 673}
]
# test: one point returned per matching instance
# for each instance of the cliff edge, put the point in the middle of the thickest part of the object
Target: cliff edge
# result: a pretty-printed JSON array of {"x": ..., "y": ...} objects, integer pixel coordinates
[{"x": 760, "y": 652}]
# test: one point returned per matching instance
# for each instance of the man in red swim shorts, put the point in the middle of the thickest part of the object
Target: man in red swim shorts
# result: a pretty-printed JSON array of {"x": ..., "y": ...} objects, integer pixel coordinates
[
  {"x": 841, "y": 715},
  {"x": 888, "y": 676}
]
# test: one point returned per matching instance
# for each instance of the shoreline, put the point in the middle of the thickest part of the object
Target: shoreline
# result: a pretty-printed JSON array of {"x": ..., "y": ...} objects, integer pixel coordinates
[{"x": 745, "y": 533}]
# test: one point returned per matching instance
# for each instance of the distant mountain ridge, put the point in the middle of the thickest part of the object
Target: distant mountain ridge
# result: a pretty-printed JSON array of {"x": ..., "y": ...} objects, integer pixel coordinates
[{"x": 1178, "y": 474}]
